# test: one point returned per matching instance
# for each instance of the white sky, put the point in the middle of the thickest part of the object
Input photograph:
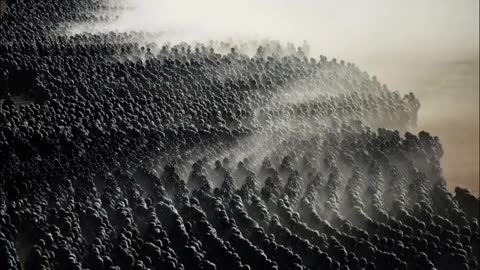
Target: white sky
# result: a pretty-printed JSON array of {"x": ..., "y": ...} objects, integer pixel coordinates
[{"x": 351, "y": 29}]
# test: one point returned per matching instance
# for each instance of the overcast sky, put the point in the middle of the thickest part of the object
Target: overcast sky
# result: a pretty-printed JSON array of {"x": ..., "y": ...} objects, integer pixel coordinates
[{"x": 350, "y": 29}]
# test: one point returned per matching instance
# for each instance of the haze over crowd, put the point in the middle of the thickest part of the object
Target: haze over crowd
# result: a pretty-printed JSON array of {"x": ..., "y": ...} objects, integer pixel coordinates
[
  {"x": 236, "y": 135},
  {"x": 428, "y": 47}
]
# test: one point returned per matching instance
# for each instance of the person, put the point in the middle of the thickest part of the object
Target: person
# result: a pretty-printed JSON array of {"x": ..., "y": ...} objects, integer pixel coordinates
[
  {"x": 8, "y": 103},
  {"x": 3, "y": 83}
]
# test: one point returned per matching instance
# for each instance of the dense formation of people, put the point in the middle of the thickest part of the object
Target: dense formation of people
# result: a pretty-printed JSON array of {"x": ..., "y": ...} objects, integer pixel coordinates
[{"x": 215, "y": 155}]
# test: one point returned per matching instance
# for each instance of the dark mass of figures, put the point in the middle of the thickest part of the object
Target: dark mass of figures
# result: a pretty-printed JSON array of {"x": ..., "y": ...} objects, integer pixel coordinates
[{"x": 132, "y": 155}]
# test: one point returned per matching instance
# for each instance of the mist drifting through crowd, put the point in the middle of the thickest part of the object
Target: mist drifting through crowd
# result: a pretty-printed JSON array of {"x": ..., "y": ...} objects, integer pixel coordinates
[
  {"x": 427, "y": 47},
  {"x": 227, "y": 134}
]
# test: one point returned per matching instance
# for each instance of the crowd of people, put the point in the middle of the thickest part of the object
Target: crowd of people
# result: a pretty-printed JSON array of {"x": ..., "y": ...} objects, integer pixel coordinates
[{"x": 217, "y": 155}]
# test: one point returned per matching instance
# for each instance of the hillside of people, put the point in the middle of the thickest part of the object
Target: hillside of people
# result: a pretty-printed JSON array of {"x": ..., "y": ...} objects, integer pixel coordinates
[{"x": 122, "y": 153}]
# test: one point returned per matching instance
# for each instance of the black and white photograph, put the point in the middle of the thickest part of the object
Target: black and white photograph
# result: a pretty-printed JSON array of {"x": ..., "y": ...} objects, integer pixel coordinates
[{"x": 239, "y": 135}]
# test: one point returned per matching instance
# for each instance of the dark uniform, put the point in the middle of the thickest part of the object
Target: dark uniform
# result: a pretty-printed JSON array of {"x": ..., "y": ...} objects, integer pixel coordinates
[{"x": 8, "y": 102}]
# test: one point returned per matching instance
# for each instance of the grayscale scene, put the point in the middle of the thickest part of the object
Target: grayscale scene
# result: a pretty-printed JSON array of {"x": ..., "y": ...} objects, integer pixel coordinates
[{"x": 239, "y": 135}]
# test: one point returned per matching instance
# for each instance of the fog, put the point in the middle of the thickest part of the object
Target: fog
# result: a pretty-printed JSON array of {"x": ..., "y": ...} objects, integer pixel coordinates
[{"x": 429, "y": 47}]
